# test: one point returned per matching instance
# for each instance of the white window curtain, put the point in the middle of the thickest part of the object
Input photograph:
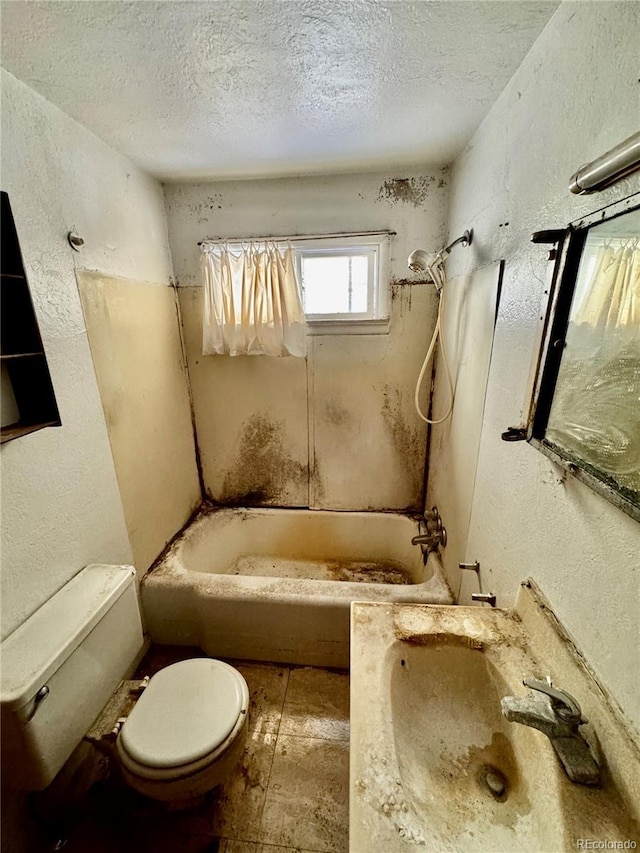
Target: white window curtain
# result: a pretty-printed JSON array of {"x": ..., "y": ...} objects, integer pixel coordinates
[
  {"x": 612, "y": 299},
  {"x": 252, "y": 301}
]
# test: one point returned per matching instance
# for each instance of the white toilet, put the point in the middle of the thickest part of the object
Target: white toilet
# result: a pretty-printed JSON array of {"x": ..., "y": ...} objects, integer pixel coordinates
[
  {"x": 61, "y": 666},
  {"x": 186, "y": 731}
]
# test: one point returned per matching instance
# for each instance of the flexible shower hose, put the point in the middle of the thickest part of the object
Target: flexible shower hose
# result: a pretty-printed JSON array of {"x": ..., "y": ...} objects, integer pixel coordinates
[{"x": 439, "y": 278}]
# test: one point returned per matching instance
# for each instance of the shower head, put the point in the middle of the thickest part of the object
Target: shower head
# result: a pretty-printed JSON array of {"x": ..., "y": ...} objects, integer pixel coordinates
[{"x": 421, "y": 261}]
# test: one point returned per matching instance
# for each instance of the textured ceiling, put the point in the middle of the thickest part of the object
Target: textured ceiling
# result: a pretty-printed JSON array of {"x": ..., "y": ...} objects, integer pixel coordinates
[{"x": 238, "y": 88}]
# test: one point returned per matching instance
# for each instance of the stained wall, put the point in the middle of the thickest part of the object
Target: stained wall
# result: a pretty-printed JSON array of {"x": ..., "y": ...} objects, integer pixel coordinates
[
  {"x": 134, "y": 334},
  {"x": 574, "y": 97},
  {"x": 337, "y": 430}
]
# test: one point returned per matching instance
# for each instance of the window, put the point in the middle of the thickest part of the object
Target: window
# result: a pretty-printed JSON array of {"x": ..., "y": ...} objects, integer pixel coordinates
[{"x": 344, "y": 283}]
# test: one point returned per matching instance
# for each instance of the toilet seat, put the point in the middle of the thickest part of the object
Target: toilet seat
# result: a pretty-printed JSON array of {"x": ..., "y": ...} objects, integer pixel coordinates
[{"x": 187, "y": 717}]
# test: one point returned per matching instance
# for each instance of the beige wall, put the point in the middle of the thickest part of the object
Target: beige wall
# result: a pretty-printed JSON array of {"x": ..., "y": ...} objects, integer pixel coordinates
[
  {"x": 338, "y": 430},
  {"x": 574, "y": 97},
  {"x": 133, "y": 331}
]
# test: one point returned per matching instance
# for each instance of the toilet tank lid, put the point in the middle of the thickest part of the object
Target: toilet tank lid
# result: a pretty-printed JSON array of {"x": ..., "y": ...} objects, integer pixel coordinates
[{"x": 37, "y": 648}]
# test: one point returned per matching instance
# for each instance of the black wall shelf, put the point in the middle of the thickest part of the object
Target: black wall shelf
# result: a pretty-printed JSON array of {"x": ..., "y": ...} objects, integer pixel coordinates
[{"x": 27, "y": 390}]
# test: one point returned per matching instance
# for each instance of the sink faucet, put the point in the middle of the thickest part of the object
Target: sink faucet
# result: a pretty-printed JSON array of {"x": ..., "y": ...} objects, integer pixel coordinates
[{"x": 558, "y": 715}]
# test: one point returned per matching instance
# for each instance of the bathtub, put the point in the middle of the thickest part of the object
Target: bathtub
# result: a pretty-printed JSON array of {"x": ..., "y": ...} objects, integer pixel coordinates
[{"x": 277, "y": 584}]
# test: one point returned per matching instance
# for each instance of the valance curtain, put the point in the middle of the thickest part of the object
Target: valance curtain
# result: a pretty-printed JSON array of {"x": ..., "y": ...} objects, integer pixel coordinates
[{"x": 252, "y": 301}]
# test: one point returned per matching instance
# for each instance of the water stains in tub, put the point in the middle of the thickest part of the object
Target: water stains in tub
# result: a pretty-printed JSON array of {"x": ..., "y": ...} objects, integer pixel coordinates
[
  {"x": 345, "y": 570},
  {"x": 354, "y": 571}
]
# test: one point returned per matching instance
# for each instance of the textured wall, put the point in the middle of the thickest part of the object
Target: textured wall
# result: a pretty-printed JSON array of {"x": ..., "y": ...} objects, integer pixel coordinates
[
  {"x": 61, "y": 508},
  {"x": 338, "y": 431},
  {"x": 574, "y": 97},
  {"x": 134, "y": 334}
]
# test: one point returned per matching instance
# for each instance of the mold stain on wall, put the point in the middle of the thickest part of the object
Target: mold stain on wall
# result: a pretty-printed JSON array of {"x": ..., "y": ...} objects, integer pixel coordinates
[
  {"x": 407, "y": 441},
  {"x": 413, "y": 191},
  {"x": 401, "y": 296},
  {"x": 263, "y": 472},
  {"x": 336, "y": 414}
]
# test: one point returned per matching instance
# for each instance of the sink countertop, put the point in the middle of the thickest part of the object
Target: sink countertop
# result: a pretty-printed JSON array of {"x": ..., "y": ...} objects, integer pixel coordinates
[{"x": 418, "y": 782}]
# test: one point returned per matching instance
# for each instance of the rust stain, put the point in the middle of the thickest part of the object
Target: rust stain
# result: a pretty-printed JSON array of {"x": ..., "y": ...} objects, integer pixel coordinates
[
  {"x": 263, "y": 471},
  {"x": 408, "y": 190},
  {"x": 408, "y": 282},
  {"x": 401, "y": 295}
]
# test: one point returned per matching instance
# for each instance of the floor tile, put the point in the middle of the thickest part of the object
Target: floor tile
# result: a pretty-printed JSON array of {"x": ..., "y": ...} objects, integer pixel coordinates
[
  {"x": 267, "y": 688},
  {"x": 238, "y": 808},
  {"x": 316, "y": 704},
  {"x": 307, "y": 800},
  {"x": 241, "y": 847},
  {"x": 269, "y": 848}
]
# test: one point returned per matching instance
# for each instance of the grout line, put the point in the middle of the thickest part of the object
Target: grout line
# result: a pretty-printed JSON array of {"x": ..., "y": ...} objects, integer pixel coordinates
[
  {"x": 187, "y": 376},
  {"x": 317, "y": 737},
  {"x": 273, "y": 756},
  {"x": 284, "y": 699}
]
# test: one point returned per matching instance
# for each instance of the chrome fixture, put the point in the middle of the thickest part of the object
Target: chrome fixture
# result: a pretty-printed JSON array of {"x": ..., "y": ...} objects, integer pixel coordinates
[
  {"x": 607, "y": 169},
  {"x": 421, "y": 261},
  {"x": 435, "y": 535},
  {"x": 486, "y": 597},
  {"x": 38, "y": 699},
  {"x": 472, "y": 567},
  {"x": 557, "y": 714}
]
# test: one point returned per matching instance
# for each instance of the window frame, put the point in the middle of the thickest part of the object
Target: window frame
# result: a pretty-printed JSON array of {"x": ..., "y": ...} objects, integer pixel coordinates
[{"x": 373, "y": 246}]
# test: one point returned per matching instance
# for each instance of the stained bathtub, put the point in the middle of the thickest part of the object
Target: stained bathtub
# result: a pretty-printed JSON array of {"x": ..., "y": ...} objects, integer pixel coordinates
[{"x": 277, "y": 584}]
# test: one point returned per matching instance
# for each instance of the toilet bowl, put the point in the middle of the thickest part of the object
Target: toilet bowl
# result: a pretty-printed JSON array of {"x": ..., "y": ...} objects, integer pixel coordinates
[
  {"x": 61, "y": 667},
  {"x": 186, "y": 731}
]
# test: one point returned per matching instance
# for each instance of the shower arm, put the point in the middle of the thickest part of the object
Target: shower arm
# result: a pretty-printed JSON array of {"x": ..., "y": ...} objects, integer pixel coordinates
[{"x": 466, "y": 239}]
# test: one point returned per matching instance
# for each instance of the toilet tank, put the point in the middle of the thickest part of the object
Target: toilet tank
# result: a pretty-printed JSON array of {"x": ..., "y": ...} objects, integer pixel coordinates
[{"x": 59, "y": 669}]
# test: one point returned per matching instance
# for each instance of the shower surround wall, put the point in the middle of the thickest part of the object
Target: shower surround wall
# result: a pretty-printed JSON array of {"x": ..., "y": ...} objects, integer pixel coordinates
[
  {"x": 574, "y": 97},
  {"x": 134, "y": 334},
  {"x": 337, "y": 430}
]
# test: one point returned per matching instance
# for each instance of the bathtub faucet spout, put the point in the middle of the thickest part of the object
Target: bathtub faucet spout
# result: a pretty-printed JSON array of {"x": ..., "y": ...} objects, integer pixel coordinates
[
  {"x": 426, "y": 539},
  {"x": 435, "y": 535}
]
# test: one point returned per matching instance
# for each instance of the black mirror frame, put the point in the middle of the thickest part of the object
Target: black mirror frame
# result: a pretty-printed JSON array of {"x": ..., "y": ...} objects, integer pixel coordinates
[{"x": 567, "y": 254}]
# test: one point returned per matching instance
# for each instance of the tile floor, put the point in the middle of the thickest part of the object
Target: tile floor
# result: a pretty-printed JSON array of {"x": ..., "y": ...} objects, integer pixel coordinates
[{"x": 289, "y": 794}]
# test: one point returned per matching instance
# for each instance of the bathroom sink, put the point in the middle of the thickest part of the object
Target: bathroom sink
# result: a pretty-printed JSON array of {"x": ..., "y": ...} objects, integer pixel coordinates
[
  {"x": 453, "y": 746},
  {"x": 434, "y": 764}
]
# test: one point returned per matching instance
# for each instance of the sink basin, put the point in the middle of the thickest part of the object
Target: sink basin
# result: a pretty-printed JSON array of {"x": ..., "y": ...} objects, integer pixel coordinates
[
  {"x": 453, "y": 746},
  {"x": 434, "y": 764}
]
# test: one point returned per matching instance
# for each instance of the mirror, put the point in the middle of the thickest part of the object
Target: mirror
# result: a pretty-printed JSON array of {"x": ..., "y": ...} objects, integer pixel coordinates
[{"x": 586, "y": 407}]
